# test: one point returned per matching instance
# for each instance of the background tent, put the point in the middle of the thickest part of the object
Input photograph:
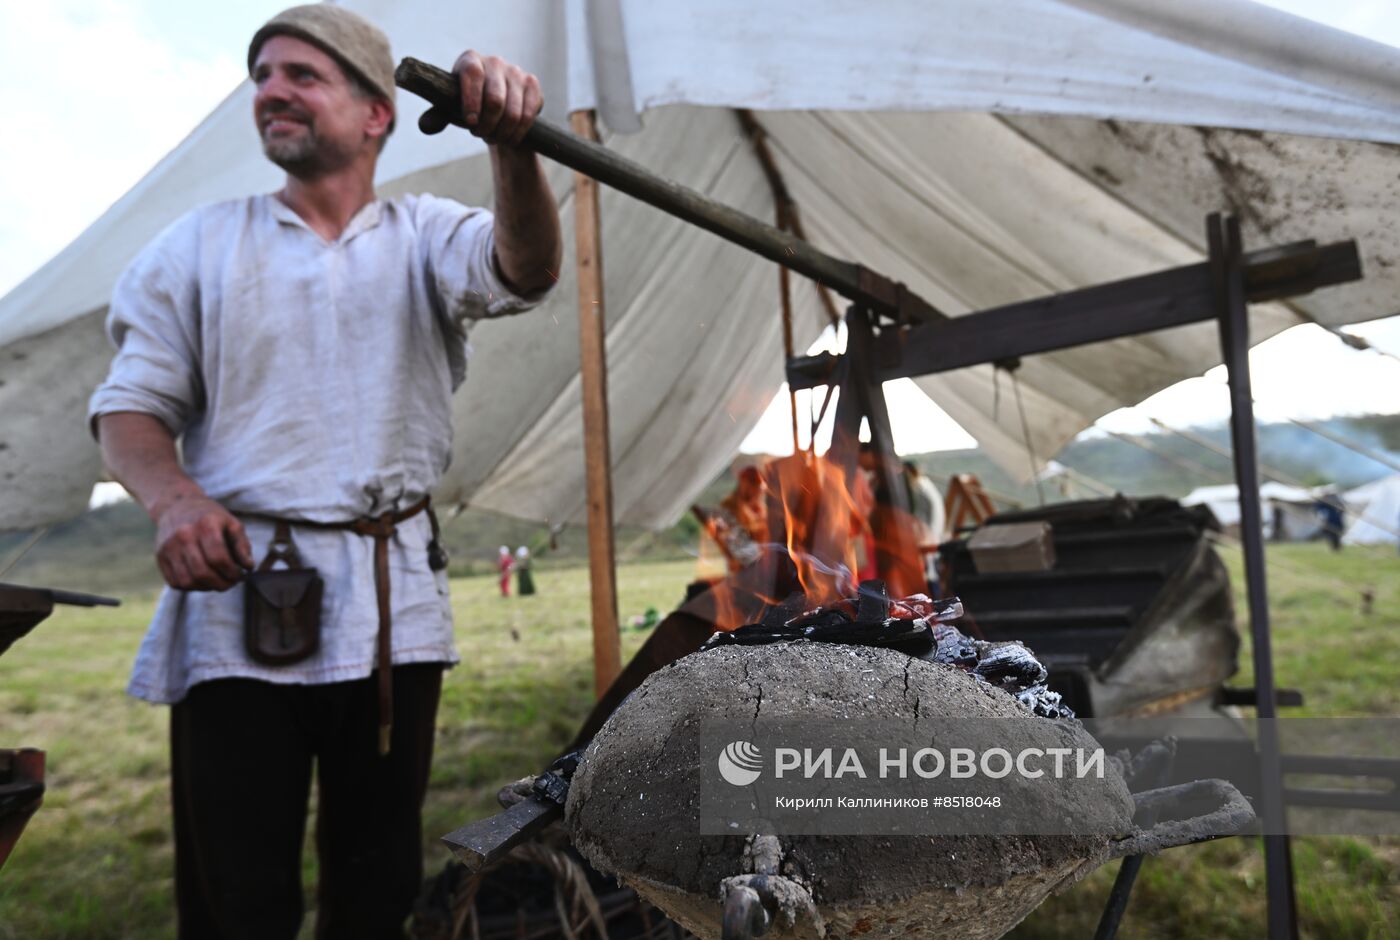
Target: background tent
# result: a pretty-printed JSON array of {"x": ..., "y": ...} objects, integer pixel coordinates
[
  {"x": 1375, "y": 512},
  {"x": 981, "y": 153},
  {"x": 1293, "y": 516},
  {"x": 1290, "y": 506}
]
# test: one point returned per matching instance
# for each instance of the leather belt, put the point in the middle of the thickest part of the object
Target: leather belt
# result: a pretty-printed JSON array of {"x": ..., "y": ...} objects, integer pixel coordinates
[{"x": 381, "y": 528}]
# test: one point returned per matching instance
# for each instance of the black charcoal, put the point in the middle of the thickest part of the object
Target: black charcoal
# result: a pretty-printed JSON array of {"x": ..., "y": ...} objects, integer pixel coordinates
[
  {"x": 553, "y": 784},
  {"x": 953, "y": 648},
  {"x": 915, "y": 626},
  {"x": 1044, "y": 703},
  {"x": 872, "y": 601},
  {"x": 1011, "y": 666}
]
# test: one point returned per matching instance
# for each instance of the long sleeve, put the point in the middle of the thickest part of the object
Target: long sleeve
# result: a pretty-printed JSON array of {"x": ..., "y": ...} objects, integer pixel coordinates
[
  {"x": 153, "y": 321},
  {"x": 460, "y": 244}
]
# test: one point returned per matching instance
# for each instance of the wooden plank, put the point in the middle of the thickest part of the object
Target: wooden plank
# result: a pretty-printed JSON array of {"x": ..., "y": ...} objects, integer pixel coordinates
[
  {"x": 1158, "y": 301},
  {"x": 1246, "y": 697},
  {"x": 487, "y": 841},
  {"x": 1110, "y": 614},
  {"x": 680, "y": 634},
  {"x": 1167, "y": 299},
  {"x": 597, "y": 444},
  {"x": 1068, "y": 575}
]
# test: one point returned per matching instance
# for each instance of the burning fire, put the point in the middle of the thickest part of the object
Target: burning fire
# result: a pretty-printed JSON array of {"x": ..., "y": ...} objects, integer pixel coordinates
[
  {"x": 821, "y": 518},
  {"x": 818, "y": 518}
]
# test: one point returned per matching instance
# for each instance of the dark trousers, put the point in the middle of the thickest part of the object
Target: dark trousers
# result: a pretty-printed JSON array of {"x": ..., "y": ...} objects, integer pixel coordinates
[{"x": 242, "y": 753}]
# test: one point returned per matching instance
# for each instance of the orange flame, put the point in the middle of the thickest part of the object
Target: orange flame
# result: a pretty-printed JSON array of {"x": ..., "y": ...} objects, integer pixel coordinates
[
  {"x": 822, "y": 511},
  {"x": 818, "y": 515}
]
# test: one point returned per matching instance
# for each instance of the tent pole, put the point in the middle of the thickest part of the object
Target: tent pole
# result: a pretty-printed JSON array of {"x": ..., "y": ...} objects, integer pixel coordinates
[
  {"x": 1227, "y": 276},
  {"x": 786, "y": 219},
  {"x": 597, "y": 457},
  {"x": 789, "y": 215}
]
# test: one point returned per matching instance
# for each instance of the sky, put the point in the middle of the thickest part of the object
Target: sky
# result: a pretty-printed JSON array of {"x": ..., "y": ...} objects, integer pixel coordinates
[{"x": 124, "y": 81}]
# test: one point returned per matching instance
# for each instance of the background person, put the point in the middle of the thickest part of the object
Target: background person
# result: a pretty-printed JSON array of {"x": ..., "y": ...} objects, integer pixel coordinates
[
  {"x": 928, "y": 510},
  {"x": 505, "y": 563},
  {"x": 524, "y": 580}
]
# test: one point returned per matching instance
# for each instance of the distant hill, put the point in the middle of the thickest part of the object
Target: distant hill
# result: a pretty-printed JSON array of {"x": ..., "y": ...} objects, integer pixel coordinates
[
  {"x": 105, "y": 551},
  {"x": 1286, "y": 451},
  {"x": 110, "y": 549}
]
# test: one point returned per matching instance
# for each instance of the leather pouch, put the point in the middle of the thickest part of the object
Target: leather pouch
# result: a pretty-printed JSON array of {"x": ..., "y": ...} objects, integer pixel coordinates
[{"x": 282, "y": 607}]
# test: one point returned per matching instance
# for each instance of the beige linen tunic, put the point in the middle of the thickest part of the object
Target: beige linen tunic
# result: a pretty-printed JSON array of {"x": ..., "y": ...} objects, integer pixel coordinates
[{"x": 307, "y": 379}]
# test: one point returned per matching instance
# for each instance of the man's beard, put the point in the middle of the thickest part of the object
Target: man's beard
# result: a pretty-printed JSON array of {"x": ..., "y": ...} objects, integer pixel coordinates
[{"x": 306, "y": 155}]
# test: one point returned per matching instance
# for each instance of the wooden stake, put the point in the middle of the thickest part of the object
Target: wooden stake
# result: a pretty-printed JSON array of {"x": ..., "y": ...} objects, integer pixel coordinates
[{"x": 597, "y": 450}]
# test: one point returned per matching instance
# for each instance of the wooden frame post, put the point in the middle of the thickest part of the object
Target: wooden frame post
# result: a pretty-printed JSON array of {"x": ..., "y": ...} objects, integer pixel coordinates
[
  {"x": 597, "y": 449},
  {"x": 1228, "y": 285},
  {"x": 863, "y": 396}
]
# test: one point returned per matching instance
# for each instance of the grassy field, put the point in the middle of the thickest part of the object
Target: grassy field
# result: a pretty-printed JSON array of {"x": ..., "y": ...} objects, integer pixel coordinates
[{"x": 95, "y": 861}]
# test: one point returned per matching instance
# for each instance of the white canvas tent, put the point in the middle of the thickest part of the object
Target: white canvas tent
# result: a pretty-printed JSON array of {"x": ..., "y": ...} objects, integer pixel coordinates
[
  {"x": 982, "y": 153},
  {"x": 1281, "y": 504},
  {"x": 1374, "y": 511}
]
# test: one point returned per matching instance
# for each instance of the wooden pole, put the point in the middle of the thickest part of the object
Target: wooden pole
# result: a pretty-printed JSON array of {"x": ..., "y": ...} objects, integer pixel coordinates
[
  {"x": 597, "y": 450},
  {"x": 1227, "y": 279},
  {"x": 869, "y": 288}
]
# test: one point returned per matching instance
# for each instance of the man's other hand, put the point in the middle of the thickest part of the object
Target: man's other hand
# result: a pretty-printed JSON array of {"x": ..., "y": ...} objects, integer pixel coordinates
[
  {"x": 499, "y": 100},
  {"x": 201, "y": 546}
]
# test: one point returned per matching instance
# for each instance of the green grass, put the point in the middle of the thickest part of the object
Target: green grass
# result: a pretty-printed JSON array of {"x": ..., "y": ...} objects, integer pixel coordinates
[
  {"x": 96, "y": 859},
  {"x": 1345, "y": 663}
]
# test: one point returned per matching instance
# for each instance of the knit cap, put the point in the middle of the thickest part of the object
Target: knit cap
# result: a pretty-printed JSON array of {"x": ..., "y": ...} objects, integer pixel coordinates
[{"x": 357, "y": 44}]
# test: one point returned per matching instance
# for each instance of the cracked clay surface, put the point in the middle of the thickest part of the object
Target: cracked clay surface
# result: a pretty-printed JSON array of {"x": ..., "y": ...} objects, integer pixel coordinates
[{"x": 634, "y": 805}]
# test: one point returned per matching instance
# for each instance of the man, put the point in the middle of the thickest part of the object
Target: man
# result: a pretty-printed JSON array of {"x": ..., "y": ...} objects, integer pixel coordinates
[
  {"x": 1331, "y": 515},
  {"x": 304, "y": 347}
]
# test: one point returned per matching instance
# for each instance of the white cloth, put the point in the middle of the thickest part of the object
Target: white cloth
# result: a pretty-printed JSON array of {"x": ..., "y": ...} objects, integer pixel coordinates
[
  {"x": 312, "y": 380},
  {"x": 874, "y": 114}
]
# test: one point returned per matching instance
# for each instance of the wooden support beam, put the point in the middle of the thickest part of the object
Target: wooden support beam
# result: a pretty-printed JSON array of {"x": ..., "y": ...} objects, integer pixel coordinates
[
  {"x": 597, "y": 446},
  {"x": 1158, "y": 301}
]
